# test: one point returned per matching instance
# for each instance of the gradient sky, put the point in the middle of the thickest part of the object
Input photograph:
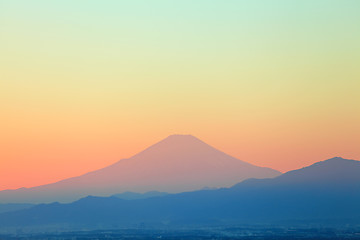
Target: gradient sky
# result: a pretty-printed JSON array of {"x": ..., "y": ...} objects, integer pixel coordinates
[{"x": 86, "y": 83}]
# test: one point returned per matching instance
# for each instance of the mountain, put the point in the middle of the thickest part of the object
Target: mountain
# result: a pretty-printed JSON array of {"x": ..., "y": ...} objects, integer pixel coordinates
[
  {"x": 14, "y": 207},
  {"x": 325, "y": 193},
  {"x": 133, "y": 195},
  {"x": 336, "y": 171},
  {"x": 176, "y": 164}
]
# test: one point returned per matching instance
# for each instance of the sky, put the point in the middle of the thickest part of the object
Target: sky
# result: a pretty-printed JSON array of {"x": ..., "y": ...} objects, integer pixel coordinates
[{"x": 84, "y": 84}]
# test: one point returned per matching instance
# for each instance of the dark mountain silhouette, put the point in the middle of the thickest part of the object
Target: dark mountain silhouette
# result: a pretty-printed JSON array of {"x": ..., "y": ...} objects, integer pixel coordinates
[
  {"x": 326, "y": 192},
  {"x": 176, "y": 164}
]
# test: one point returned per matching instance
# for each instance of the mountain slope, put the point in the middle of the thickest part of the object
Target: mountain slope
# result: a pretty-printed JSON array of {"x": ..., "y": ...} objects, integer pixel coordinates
[
  {"x": 133, "y": 195},
  {"x": 312, "y": 198},
  {"x": 14, "y": 207},
  {"x": 176, "y": 164},
  {"x": 336, "y": 172}
]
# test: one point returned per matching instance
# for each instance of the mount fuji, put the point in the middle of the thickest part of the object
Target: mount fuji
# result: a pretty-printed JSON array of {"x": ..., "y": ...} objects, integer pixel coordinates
[{"x": 176, "y": 164}]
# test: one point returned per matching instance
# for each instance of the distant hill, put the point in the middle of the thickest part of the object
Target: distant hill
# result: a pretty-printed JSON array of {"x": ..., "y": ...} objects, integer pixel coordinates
[
  {"x": 133, "y": 196},
  {"x": 324, "y": 193},
  {"x": 176, "y": 164},
  {"x": 14, "y": 207}
]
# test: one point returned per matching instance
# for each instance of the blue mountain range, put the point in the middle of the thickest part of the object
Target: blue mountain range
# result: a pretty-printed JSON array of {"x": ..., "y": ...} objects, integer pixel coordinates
[{"x": 327, "y": 192}]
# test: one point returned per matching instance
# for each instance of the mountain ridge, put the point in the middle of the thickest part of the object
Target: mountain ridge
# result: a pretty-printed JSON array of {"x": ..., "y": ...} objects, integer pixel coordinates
[
  {"x": 267, "y": 201},
  {"x": 177, "y": 163}
]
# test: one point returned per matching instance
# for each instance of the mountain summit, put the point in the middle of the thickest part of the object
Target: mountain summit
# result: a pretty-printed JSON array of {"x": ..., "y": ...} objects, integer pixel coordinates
[{"x": 176, "y": 164}]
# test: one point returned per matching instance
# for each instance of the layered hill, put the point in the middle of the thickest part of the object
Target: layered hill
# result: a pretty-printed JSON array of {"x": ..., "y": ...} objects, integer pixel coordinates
[
  {"x": 325, "y": 193},
  {"x": 176, "y": 164}
]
